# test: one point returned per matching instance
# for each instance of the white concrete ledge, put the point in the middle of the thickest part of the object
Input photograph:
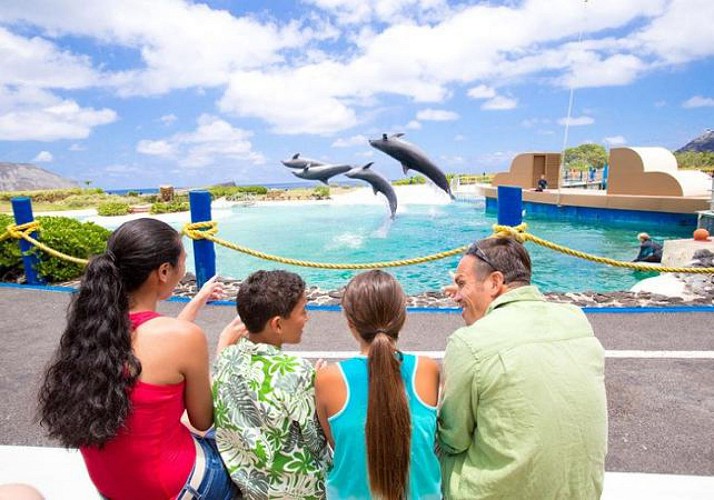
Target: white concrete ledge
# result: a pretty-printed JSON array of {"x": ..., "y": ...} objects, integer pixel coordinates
[{"x": 60, "y": 475}]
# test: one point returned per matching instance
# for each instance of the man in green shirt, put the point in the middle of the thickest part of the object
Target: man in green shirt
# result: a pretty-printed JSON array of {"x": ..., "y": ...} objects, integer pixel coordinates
[{"x": 524, "y": 413}]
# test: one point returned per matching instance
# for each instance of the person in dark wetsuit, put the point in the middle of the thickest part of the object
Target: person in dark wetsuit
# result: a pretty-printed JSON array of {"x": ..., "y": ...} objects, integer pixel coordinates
[
  {"x": 650, "y": 251},
  {"x": 542, "y": 184}
]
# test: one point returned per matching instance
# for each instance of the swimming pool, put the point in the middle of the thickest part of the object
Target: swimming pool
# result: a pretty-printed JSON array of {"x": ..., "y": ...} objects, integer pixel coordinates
[{"x": 364, "y": 233}]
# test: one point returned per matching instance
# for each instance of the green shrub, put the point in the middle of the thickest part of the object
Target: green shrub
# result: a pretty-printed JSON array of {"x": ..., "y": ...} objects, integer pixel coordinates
[
  {"x": 415, "y": 179},
  {"x": 50, "y": 195},
  {"x": 233, "y": 191},
  {"x": 321, "y": 193},
  {"x": 66, "y": 235},
  {"x": 10, "y": 257},
  {"x": 73, "y": 238},
  {"x": 170, "y": 207},
  {"x": 110, "y": 208}
]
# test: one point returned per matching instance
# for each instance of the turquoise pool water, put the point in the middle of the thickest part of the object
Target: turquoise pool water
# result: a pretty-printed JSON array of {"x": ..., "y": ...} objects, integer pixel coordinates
[{"x": 363, "y": 233}]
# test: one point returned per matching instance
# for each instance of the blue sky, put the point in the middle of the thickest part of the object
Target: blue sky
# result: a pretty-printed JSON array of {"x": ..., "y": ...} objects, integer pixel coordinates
[{"x": 139, "y": 93}]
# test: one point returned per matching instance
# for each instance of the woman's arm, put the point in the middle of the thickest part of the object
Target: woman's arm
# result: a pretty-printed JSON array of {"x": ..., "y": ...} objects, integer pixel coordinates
[
  {"x": 193, "y": 364},
  {"x": 211, "y": 290}
]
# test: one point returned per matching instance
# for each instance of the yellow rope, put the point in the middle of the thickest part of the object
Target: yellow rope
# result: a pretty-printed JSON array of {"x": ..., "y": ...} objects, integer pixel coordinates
[
  {"x": 23, "y": 231},
  {"x": 520, "y": 234},
  {"x": 207, "y": 231}
]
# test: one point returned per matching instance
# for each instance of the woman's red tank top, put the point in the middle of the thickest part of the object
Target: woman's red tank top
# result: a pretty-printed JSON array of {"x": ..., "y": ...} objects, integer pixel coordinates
[{"x": 153, "y": 455}]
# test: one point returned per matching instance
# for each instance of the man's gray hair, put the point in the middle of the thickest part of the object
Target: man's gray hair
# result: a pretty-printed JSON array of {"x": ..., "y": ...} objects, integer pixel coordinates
[{"x": 505, "y": 255}]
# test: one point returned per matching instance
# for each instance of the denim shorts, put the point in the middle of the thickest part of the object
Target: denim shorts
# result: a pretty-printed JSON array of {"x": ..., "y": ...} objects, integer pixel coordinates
[{"x": 215, "y": 483}]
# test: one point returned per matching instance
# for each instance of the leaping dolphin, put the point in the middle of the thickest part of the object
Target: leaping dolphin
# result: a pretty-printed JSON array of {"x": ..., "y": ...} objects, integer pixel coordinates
[
  {"x": 297, "y": 162},
  {"x": 321, "y": 172},
  {"x": 379, "y": 184},
  {"x": 411, "y": 157}
]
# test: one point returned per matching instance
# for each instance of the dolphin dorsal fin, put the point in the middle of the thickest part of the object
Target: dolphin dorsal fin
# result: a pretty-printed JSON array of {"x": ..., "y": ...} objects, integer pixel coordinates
[
  {"x": 295, "y": 156},
  {"x": 366, "y": 166}
]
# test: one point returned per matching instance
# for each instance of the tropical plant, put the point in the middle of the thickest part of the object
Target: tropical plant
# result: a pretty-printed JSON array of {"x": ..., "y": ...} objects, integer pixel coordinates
[
  {"x": 696, "y": 160},
  {"x": 71, "y": 237},
  {"x": 321, "y": 193},
  {"x": 10, "y": 257},
  {"x": 114, "y": 207},
  {"x": 585, "y": 156},
  {"x": 66, "y": 235}
]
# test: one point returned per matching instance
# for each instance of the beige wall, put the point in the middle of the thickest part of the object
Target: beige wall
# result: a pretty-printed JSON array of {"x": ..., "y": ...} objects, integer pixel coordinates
[
  {"x": 643, "y": 171},
  {"x": 526, "y": 169}
]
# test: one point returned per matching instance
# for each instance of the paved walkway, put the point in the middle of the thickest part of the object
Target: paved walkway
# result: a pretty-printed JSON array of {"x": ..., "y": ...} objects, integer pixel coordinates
[{"x": 659, "y": 377}]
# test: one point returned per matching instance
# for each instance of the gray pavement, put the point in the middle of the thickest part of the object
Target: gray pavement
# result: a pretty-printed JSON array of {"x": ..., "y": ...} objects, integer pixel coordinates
[{"x": 661, "y": 410}]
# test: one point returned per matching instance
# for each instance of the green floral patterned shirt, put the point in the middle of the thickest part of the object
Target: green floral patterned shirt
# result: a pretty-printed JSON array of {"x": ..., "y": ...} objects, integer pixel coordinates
[{"x": 266, "y": 426}]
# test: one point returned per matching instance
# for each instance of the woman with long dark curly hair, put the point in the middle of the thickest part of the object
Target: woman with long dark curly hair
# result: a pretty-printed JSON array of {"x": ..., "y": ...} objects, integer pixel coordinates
[
  {"x": 123, "y": 375},
  {"x": 378, "y": 410}
]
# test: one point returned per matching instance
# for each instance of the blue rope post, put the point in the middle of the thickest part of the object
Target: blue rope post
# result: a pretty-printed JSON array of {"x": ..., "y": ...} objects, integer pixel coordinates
[
  {"x": 204, "y": 252},
  {"x": 510, "y": 205},
  {"x": 22, "y": 209}
]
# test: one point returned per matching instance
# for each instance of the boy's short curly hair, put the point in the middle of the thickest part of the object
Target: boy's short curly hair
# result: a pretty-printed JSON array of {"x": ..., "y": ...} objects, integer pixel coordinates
[{"x": 266, "y": 294}]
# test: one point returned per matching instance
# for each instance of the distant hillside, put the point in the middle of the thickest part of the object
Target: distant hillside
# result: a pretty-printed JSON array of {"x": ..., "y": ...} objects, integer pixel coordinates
[
  {"x": 703, "y": 143},
  {"x": 27, "y": 177}
]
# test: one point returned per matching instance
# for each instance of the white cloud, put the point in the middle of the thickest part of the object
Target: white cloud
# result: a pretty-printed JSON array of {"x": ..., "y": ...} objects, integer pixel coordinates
[
  {"x": 698, "y": 102},
  {"x": 481, "y": 92},
  {"x": 304, "y": 102},
  {"x": 355, "y": 140},
  {"x": 77, "y": 147},
  {"x": 310, "y": 76},
  {"x": 28, "y": 114},
  {"x": 532, "y": 122},
  {"x": 213, "y": 140},
  {"x": 436, "y": 115},
  {"x": 155, "y": 148},
  {"x": 389, "y": 11},
  {"x": 500, "y": 103},
  {"x": 576, "y": 122},
  {"x": 168, "y": 119},
  {"x": 413, "y": 125},
  {"x": 35, "y": 62},
  {"x": 617, "y": 140},
  {"x": 43, "y": 156},
  {"x": 459, "y": 138},
  {"x": 682, "y": 33}
]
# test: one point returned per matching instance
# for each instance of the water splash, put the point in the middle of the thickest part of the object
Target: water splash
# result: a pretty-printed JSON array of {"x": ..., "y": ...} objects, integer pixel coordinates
[
  {"x": 346, "y": 240},
  {"x": 383, "y": 231}
]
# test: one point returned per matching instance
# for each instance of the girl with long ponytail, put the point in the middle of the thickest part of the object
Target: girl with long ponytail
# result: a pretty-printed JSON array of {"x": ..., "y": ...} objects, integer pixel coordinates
[
  {"x": 378, "y": 410},
  {"x": 123, "y": 375}
]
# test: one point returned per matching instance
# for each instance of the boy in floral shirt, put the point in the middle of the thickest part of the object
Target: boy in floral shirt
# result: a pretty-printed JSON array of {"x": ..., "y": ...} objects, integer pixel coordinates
[{"x": 264, "y": 398}]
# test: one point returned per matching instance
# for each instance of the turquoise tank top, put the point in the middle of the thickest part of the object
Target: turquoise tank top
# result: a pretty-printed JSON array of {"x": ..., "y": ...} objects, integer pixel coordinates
[{"x": 348, "y": 478}]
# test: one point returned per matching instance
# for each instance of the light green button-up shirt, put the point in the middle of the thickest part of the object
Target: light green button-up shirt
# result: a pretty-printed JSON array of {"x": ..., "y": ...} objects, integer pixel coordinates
[{"x": 524, "y": 413}]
